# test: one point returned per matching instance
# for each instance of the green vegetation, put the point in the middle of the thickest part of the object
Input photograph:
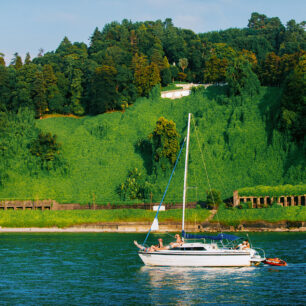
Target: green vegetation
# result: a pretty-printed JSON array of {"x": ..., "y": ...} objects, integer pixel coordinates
[
  {"x": 165, "y": 144},
  {"x": 213, "y": 199},
  {"x": 293, "y": 101},
  {"x": 61, "y": 219},
  {"x": 240, "y": 149},
  {"x": 135, "y": 186},
  {"x": 250, "y": 135},
  {"x": 126, "y": 60},
  {"x": 46, "y": 148},
  {"x": 171, "y": 87},
  {"x": 235, "y": 216},
  {"x": 283, "y": 190}
]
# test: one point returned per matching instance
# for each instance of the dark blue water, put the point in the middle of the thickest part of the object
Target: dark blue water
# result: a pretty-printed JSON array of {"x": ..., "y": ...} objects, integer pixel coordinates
[{"x": 82, "y": 269}]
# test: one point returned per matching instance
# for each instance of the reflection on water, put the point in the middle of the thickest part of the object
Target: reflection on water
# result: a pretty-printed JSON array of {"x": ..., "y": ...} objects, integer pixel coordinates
[
  {"x": 74, "y": 269},
  {"x": 182, "y": 276},
  {"x": 207, "y": 282}
]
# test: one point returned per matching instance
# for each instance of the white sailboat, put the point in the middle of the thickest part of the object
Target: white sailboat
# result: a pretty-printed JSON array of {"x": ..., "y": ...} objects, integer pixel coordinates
[{"x": 211, "y": 251}]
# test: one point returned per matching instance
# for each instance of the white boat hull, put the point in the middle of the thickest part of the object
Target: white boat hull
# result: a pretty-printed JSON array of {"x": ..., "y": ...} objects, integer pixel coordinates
[{"x": 199, "y": 259}]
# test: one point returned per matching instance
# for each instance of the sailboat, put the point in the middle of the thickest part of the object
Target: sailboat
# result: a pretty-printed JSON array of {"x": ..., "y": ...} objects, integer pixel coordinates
[{"x": 207, "y": 250}]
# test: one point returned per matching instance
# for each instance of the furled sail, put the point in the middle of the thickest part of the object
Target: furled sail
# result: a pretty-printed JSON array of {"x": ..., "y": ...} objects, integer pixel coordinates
[{"x": 155, "y": 226}]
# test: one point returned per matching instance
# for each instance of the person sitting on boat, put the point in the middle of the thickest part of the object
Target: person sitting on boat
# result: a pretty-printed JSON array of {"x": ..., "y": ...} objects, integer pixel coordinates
[
  {"x": 243, "y": 246},
  {"x": 178, "y": 242},
  {"x": 246, "y": 245}
]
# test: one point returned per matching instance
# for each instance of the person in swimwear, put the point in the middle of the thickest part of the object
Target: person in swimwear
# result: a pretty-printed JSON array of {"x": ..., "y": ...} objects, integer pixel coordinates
[
  {"x": 246, "y": 245},
  {"x": 243, "y": 246},
  {"x": 178, "y": 242},
  {"x": 152, "y": 248}
]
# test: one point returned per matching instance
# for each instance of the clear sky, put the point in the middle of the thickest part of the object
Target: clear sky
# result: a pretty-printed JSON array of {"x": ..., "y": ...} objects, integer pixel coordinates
[{"x": 28, "y": 25}]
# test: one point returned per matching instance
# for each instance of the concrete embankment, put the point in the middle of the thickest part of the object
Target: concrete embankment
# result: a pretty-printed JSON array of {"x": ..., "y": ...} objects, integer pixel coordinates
[{"x": 139, "y": 227}]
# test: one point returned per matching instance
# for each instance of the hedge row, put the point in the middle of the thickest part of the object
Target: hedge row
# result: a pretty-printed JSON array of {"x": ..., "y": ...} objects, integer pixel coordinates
[{"x": 273, "y": 191}]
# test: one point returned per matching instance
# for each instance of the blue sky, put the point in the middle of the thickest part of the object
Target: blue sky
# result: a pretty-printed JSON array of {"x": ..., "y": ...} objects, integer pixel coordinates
[{"x": 28, "y": 25}]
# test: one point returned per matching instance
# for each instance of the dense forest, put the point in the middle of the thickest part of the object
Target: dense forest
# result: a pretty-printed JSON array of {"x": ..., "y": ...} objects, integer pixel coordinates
[{"x": 262, "y": 67}]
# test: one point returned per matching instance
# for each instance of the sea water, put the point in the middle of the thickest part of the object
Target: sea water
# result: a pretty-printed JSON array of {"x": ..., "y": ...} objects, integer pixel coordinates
[{"x": 104, "y": 268}]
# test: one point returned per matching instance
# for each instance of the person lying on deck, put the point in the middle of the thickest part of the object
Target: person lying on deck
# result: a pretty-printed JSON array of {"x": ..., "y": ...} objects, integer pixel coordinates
[
  {"x": 161, "y": 245},
  {"x": 152, "y": 248}
]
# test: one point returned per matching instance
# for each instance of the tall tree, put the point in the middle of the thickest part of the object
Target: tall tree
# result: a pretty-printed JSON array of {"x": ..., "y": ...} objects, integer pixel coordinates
[
  {"x": 271, "y": 72},
  {"x": 39, "y": 95},
  {"x": 54, "y": 98},
  {"x": 27, "y": 59},
  {"x": 165, "y": 142},
  {"x": 16, "y": 61},
  {"x": 145, "y": 76},
  {"x": 105, "y": 96},
  {"x": 2, "y": 61},
  {"x": 76, "y": 92},
  {"x": 183, "y": 63},
  {"x": 215, "y": 69},
  {"x": 241, "y": 79},
  {"x": 293, "y": 106}
]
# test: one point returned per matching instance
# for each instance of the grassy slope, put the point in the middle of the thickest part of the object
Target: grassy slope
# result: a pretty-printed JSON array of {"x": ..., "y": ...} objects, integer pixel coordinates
[{"x": 240, "y": 151}]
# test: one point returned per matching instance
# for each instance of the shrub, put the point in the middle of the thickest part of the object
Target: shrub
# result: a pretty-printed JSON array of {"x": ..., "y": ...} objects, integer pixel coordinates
[
  {"x": 165, "y": 142},
  {"x": 281, "y": 190},
  {"x": 229, "y": 205},
  {"x": 135, "y": 187},
  {"x": 246, "y": 205},
  {"x": 197, "y": 89},
  {"x": 46, "y": 148},
  {"x": 213, "y": 198},
  {"x": 276, "y": 205}
]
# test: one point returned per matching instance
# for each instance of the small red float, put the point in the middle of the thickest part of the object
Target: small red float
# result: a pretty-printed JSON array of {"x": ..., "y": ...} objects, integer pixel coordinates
[{"x": 275, "y": 262}]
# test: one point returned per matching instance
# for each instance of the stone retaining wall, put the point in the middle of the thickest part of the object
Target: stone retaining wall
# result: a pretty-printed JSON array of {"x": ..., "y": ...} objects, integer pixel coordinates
[{"x": 28, "y": 205}]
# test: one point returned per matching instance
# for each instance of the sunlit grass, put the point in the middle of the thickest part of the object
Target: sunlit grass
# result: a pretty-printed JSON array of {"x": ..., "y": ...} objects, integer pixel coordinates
[
  {"x": 171, "y": 87},
  {"x": 46, "y": 116},
  {"x": 234, "y": 216},
  {"x": 36, "y": 218}
]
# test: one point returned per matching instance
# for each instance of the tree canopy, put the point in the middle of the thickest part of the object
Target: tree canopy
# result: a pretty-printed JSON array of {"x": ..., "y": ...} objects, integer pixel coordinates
[{"x": 127, "y": 60}]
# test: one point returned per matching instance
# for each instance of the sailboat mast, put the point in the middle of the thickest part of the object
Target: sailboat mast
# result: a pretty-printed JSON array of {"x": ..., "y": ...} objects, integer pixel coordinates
[{"x": 186, "y": 169}]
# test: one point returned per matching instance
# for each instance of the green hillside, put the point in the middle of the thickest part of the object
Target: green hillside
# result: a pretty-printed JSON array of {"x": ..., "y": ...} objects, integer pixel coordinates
[{"x": 240, "y": 147}]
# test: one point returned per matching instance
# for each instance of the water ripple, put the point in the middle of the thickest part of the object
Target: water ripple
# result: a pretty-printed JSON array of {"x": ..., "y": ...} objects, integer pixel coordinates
[{"x": 74, "y": 269}]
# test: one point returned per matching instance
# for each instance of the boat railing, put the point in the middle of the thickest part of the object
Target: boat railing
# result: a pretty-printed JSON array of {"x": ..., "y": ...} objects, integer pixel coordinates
[{"x": 260, "y": 252}]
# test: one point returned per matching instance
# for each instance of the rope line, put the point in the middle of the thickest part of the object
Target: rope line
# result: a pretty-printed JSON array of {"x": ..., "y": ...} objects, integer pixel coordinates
[
  {"x": 204, "y": 166},
  {"x": 165, "y": 190}
]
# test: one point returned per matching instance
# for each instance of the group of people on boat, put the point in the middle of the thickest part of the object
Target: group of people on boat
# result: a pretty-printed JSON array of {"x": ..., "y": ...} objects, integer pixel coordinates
[
  {"x": 160, "y": 246},
  {"x": 244, "y": 245},
  {"x": 179, "y": 242}
]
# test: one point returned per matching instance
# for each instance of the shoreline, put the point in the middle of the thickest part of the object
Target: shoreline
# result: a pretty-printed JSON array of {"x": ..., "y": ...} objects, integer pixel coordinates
[{"x": 139, "y": 227}]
